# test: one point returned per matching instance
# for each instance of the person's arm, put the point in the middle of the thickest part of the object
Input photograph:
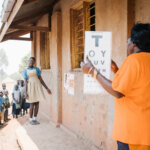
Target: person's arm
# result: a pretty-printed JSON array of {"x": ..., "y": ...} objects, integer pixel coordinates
[
  {"x": 26, "y": 88},
  {"x": 25, "y": 76},
  {"x": 19, "y": 98},
  {"x": 13, "y": 96},
  {"x": 3, "y": 105},
  {"x": 4, "y": 102},
  {"x": 38, "y": 71},
  {"x": 106, "y": 83},
  {"x": 43, "y": 83}
]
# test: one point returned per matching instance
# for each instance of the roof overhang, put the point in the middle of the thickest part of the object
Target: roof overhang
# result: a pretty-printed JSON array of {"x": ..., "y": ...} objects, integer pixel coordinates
[
  {"x": 23, "y": 18},
  {"x": 12, "y": 15}
]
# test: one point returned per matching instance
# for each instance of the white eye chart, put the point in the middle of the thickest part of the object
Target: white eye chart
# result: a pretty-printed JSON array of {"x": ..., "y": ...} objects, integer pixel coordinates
[{"x": 98, "y": 46}]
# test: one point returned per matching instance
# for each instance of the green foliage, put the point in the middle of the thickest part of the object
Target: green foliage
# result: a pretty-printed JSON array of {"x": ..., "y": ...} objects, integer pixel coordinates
[{"x": 24, "y": 63}]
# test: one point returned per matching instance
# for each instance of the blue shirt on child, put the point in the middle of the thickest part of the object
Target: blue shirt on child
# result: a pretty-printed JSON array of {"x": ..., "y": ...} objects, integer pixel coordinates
[{"x": 1, "y": 103}]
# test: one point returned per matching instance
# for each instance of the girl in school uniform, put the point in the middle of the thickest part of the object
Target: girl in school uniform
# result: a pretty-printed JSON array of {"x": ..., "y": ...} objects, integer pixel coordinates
[{"x": 34, "y": 90}]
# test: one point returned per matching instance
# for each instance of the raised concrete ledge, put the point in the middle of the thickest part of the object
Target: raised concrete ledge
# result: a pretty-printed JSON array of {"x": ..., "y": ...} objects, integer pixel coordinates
[
  {"x": 46, "y": 136},
  {"x": 24, "y": 141}
]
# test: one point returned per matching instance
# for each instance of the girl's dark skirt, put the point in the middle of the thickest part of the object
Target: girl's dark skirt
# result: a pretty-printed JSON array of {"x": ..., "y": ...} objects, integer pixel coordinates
[{"x": 25, "y": 105}]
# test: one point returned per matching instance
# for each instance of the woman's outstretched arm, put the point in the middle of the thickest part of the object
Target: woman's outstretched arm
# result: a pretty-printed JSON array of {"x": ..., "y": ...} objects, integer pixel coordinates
[{"x": 43, "y": 83}]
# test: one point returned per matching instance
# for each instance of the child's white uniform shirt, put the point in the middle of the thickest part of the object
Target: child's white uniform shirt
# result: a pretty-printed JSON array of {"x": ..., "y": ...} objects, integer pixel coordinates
[{"x": 16, "y": 96}]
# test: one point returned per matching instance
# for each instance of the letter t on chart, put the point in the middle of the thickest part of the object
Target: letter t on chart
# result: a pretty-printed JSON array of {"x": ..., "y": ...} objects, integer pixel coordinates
[{"x": 96, "y": 37}]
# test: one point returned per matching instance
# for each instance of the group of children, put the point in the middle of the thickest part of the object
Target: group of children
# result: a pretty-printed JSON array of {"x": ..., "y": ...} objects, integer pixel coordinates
[{"x": 18, "y": 103}]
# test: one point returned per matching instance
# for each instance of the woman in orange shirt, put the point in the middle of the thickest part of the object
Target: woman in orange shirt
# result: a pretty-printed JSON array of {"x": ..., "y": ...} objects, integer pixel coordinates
[{"x": 131, "y": 89}]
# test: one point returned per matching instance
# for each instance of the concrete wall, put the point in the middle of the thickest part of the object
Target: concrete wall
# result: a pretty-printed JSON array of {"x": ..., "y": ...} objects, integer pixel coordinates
[
  {"x": 89, "y": 117},
  {"x": 142, "y": 11}
]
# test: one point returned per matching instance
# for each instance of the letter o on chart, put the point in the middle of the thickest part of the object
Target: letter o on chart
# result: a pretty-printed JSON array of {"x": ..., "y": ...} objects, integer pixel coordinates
[{"x": 91, "y": 53}]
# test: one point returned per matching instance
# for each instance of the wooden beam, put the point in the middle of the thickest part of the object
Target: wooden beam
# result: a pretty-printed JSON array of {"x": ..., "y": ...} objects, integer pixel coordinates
[
  {"x": 11, "y": 17},
  {"x": 21, "y": 38},
  {"x": 37, "y": 14},
  {"x": 14, "y": 34},
  {"x": 34, "y": 15},
  {"x": 29, "y": 1},
  {"x": 30, "y": 28},
  {"x": 34, "y": 45},
  {"x": 50, "y": 20},
  {"x": 130, "y": 16}
]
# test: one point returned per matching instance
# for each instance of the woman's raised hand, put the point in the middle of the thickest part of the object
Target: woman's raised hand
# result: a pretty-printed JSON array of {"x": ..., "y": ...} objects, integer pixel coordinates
[{"x": 86, "y": 66}]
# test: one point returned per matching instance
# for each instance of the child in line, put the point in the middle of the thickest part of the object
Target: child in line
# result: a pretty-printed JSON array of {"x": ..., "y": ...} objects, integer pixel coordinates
[
  {"x": 24, "y": 105},
  {"x": 16, "y": 102},
  {"x": 18, "y": 84},
  {"x": 7, "y": 105},
  {"x": 4, "y": 88},
  {"x": 1, "y": 108}
]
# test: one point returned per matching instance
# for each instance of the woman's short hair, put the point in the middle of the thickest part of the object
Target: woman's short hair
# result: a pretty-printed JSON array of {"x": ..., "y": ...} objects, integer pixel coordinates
[{"x": 140, "y": 35}]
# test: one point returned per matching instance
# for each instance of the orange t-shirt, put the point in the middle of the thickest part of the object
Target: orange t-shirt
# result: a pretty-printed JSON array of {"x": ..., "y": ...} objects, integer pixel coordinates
[{"x": 132, "y": 112}]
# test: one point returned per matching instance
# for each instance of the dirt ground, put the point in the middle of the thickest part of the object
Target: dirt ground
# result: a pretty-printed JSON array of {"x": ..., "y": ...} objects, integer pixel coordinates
[{"x": 8, "y": 139}]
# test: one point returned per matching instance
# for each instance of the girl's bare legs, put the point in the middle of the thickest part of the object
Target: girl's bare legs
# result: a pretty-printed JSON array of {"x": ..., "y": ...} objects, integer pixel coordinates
[
  {"x": 31, "y": 109},
  {"x": 36, "y": 109}
]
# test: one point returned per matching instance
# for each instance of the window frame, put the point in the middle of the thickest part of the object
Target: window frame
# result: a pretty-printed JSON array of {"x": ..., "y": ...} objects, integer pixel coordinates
[
  {"x": 44, "y": 51},
  {"x": 75, "y": 54}
]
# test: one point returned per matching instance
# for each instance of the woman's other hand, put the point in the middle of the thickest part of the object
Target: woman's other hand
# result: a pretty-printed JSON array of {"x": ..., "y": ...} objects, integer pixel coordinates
[{"x": 114, "y": 67}]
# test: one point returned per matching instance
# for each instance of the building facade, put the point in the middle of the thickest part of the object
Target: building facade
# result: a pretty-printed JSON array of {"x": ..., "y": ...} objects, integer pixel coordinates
[{"x": 61, "y": 49}]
